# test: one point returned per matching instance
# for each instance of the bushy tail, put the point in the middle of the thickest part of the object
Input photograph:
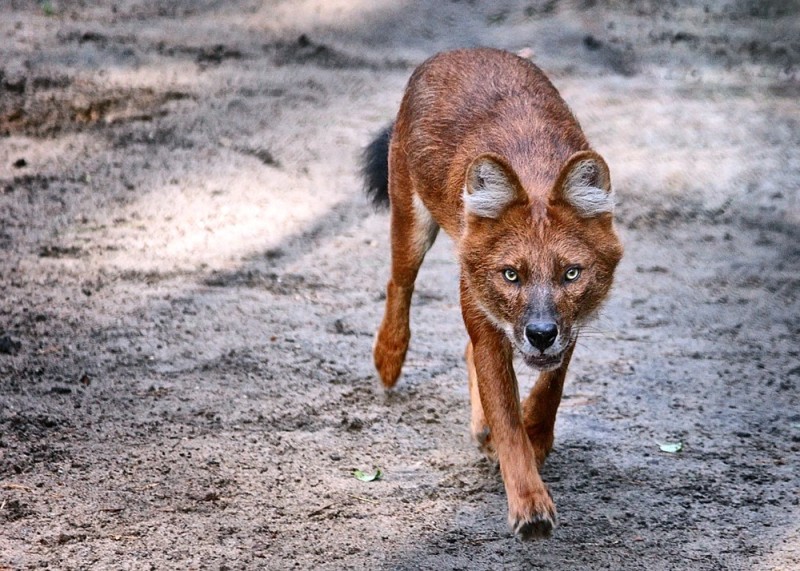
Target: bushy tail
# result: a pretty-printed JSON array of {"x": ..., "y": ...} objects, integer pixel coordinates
[{"x": 375, "y": 168}]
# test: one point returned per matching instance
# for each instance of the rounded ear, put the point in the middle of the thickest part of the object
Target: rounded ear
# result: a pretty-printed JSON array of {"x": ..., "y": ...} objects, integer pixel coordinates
[
  {"x": 491, "y": 187},
  {"x": 585, "y": 184}
]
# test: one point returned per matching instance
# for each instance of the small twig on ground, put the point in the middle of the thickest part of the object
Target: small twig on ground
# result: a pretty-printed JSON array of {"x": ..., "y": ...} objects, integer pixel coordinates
[
  {"x": 10, "y": 486},
  {"x": 319, "y": 511},
  {"x": 144, "y": 488},
  {"x": 363, "y": 499}
]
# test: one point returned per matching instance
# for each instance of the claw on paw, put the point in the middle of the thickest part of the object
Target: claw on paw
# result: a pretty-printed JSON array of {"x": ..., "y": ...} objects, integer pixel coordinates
[{"x": 536, "y": 527}]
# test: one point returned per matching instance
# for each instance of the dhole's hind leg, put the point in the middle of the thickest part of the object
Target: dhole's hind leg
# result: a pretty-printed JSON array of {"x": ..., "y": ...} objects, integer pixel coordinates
[
  {"x": 413, "y": 231},
  {"x": 478, "y": 426}
]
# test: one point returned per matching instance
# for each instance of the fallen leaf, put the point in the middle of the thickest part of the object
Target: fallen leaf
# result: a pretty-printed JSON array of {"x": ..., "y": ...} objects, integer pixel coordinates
[
  {"x": 671, "y": 447},
  {"x": 376, "y": 474}
]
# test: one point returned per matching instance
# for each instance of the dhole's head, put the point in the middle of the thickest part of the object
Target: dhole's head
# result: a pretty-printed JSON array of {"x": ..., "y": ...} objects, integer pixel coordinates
[{"x": 539, "y": 266}]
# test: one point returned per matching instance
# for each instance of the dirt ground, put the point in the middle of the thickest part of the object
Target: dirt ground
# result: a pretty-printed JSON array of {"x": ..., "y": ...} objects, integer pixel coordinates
[{"x": 191, "y": 279}]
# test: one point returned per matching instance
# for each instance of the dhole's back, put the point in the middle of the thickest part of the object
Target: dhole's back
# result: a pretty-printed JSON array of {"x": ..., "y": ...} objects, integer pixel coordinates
[{"x": 461, "y": 104}]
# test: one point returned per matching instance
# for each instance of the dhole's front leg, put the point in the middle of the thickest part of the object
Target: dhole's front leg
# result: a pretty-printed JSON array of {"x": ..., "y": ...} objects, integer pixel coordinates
[
  {"x": 540, "y": 407},
  {"x": 531, "y": 511},
  {"x": 413, "y": 232}
]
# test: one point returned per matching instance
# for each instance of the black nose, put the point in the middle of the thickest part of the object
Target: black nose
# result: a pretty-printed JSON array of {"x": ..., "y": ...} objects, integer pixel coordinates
[{"x": 541, "y": 334}]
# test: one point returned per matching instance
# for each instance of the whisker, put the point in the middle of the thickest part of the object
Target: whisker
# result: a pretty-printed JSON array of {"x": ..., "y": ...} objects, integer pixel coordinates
[{"x": 592, "y": 332}]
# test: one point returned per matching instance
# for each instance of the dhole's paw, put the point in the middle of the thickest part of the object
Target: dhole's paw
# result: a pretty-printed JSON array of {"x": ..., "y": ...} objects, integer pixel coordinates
[
  {"x": 541, "y": 455},
  {"x": 483, "y": 438},
  {"x": 389, "y": 353},
  {"x": 537, "y": 527},
  {"x": 542, "y": 445},
  {"x": 534, "y": 518}
]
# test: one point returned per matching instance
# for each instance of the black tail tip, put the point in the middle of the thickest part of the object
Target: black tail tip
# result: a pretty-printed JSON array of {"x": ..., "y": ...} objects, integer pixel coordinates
[{"x": 375, "y": 168}]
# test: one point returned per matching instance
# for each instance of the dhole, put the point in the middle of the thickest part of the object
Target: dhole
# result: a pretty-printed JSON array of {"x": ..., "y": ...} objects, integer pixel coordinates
[{"x": 484, "y": 147}]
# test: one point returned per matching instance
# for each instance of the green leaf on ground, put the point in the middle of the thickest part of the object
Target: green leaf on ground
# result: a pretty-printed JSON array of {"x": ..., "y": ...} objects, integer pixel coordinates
[
  {"x": 376, "y": 474},
  {"x": 671, "y": 447}
]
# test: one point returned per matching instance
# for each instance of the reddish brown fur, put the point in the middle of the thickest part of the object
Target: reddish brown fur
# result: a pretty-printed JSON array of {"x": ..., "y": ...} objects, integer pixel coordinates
[{"x": 463, "y": 109}]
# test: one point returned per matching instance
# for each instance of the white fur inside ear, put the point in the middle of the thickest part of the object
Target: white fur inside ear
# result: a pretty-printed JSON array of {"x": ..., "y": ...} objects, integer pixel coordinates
[
  {"x": 588, "y": 190},
  {"x": 488, "y": 192}
]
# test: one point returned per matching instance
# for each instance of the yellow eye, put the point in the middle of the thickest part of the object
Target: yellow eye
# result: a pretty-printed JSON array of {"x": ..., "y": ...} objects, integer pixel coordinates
[
  {"x": 511, "y": 275},
  {"x": 572, "y": 274}
]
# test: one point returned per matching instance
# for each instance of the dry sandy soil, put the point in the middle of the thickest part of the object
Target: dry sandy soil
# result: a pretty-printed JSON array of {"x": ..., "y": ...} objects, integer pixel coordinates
[{"x": 191, "y": 279}]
